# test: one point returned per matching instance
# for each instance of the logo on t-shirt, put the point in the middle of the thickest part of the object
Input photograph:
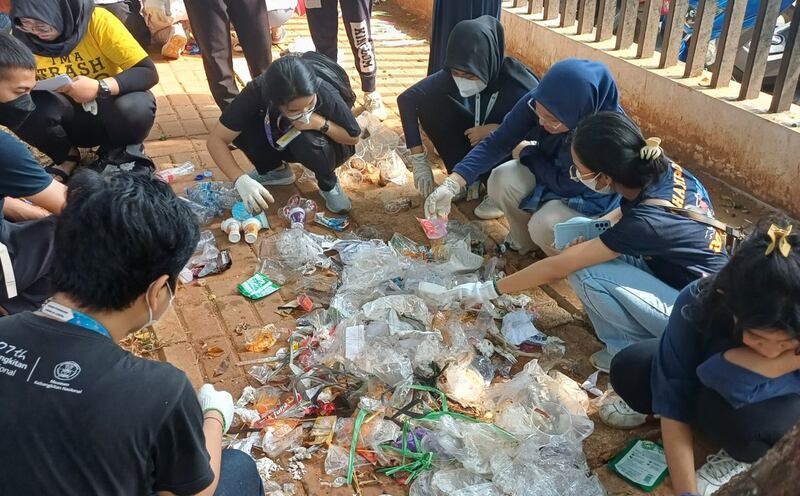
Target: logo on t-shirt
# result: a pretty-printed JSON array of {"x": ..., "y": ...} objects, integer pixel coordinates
[{"x": 66, "y": 371}]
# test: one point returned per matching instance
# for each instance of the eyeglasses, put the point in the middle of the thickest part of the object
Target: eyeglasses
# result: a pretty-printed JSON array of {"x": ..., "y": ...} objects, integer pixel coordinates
[
  {"x": 576, "y": 175},
  {"x": 35, "y": 27},
  {"x": 551, "y": 123}
]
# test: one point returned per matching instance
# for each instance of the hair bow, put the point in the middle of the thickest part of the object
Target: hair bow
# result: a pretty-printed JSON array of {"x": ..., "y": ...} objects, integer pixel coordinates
[
  {"x": 779, "y": 238},
  {"x": 652, "y": 149}
]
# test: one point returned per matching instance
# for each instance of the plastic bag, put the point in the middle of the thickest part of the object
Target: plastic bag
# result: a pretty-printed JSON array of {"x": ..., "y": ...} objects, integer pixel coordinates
[
  {"x": 280, "y": 437},
  {"x": 473, "y": 444},
  {"x": 337, "y": 461},
  {"x": 381, "y": 359},
  {"x": 518, "y": 327},
  {"x": 464, "y": 383},
  {"x": 393, "y": 169},
  {"x": 461, "y": 482},
  {"x": 296, "y": 249},
  {"x": 408, "y": 306}
]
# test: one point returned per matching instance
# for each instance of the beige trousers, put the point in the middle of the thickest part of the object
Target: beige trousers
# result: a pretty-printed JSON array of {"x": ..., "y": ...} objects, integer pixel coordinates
[{"x": 508, "y": 185}]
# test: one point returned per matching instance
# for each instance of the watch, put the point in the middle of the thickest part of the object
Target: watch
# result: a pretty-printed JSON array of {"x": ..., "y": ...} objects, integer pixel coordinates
[
  {"x": 325, "y": 127},
  {"x": 104, "y": 91}
]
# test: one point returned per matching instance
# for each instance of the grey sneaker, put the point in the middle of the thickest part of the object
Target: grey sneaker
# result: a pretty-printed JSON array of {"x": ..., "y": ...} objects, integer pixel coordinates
[
  {"x": 282, "y": 176},
  {"x": 336, "y": 200},
  {"x": 602, "y": 360}
]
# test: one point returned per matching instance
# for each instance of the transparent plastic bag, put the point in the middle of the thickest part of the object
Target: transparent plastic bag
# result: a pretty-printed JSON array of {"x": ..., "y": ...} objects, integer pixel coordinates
[
  {"x": 393, "y": 169},
  {"x": 381, "y": 359},
  {"x": 296, "y": 249},
  {"x": 408, "y": 306},
  {"x": 473, "y": 444},
  {"x": 337, "y": 461},
  {"x": 280, "y": 437},
  {"x": 462, "y": 482},
  {"x": 464, "y": 383}
]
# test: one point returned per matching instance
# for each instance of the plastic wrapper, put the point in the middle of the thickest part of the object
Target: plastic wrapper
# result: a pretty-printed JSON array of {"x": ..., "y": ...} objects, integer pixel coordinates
[
  {"x": 392, "y": 169},
  {"x": 464, "y": 383},
  {"x": 260, "y": 339},
  {"x": 381, "y": 359},
  {"x": 280, "y": 437},
  {"x": 461, "y": 482},
  {"x": 518, "y": 327},
  {"x": 217, "y": 196},
  {"x": 405, "y": 247},
  {"x": 337, "y": 461},
  {"x": 406, "y": 306},
  {"x": 296, "y": 249},
  {"x": 245, "y": 444},
  {"x": 397, "y": 205},
  {"x": 473, "y": 444}
]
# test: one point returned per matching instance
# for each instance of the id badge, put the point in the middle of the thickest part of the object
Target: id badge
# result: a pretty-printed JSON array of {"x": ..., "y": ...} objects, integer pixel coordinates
[{"x": 313, "y": 4}]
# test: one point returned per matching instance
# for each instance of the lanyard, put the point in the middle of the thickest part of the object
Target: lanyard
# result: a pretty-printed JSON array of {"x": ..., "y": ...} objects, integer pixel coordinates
[
  {"x": 74, "y": 317},
  {"x": 492, "y": 101}
]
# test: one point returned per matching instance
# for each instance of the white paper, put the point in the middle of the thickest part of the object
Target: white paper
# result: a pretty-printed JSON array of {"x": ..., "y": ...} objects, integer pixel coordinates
[
  {"x": 353, "y": 341},
  {"x": 590, "y": 384},
  {"x": 52, "y": 83}
]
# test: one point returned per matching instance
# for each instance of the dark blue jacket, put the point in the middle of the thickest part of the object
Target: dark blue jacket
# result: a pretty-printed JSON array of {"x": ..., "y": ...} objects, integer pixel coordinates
[{"x": 571, "y": 90}]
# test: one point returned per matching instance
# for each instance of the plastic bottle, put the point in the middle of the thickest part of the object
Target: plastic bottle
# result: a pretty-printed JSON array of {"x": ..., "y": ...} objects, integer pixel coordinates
[
  {"x": 299, "y": 211},
  {"x": 233, "y": 228},
  {"x": 169, "y": 175},
  {"x": 251, "y": 227}
]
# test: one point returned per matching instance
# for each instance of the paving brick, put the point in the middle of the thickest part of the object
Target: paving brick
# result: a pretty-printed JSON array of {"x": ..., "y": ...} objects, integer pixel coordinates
[
  {"x": 193, "y": 293},
  {"x": 203, "y": 320},
  {"x": 182, "y": 356},
  {"x": 179, "y": 99},
  {"x": 171, "y": 129},
  {"x": 216, "y": 367},
  {"x": 168, "y": 146},
  {"x": 235, "y": 311}
]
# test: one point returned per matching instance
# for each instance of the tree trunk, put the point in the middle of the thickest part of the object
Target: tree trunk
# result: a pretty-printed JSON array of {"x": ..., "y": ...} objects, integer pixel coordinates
[{"x": 776, "y": 474}]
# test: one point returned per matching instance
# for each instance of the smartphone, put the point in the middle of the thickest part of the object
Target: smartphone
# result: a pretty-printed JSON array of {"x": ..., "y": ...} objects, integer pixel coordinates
[{"x": 567, "y": 232}]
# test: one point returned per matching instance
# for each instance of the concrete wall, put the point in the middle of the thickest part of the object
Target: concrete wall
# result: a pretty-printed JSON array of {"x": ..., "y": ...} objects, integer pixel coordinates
[{"x": 705, "y": 129}]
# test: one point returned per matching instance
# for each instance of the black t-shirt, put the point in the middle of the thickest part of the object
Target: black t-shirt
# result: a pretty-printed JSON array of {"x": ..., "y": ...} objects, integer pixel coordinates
[
  {"x": 249, "y": 109},
  {"x": 678, "y": 250},
  {"x": 82, "y": 416},
  {"x": 20, "y": 174}
]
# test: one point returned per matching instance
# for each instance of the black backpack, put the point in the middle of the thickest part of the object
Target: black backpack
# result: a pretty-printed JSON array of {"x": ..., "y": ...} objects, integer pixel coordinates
[{"x": 331, "y": 72}]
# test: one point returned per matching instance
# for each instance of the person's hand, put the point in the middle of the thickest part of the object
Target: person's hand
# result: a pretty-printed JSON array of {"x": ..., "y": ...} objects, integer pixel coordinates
[
  {"x": 314, "y": 124},
  {"x": 476, "y": 134},
  {"x": 518, "y": 149},
  {"x": 82, "y": 89},
  {"x": 473, "y": 293},
  {"x": 220, "y": 401},
  {"x": 256, "y": 198},
  {"x": 438, "y": 203},
  {"x": 423, "y": 175}
]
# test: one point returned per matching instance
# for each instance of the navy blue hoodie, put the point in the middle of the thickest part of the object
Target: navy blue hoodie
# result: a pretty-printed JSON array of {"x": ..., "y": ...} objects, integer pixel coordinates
[{"x": 571, "y": 90}]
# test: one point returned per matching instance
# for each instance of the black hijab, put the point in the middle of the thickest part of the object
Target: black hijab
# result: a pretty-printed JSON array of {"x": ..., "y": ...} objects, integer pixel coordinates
[
  {"x": 477, "y": 46},
  {"x": 70, "y": 17}
]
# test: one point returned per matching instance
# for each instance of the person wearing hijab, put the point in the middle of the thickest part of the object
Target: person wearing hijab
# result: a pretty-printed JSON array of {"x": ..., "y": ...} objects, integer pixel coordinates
[
  {"x": 106, "y": 101},
  {"x": 534, "y": 190},
  {"x": 448, "y": 13},
  {"x": 463, "y": 103}
]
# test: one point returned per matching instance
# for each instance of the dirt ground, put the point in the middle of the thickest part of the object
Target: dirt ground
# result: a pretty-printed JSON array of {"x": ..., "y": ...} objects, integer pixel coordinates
[{"x": 210, "y": 313}]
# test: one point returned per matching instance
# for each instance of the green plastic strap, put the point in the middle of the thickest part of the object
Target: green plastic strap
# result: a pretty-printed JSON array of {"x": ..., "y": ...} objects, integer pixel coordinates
[{"x": 352, "y": 460}]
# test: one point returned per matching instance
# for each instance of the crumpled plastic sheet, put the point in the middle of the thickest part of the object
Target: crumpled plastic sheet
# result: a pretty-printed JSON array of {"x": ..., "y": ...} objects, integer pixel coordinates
[
  {"x": 296, "y": 249},
  {"x": 453, "y": 482},
  {"x": 280, "y": 437},
  {"x": 518, "y": 327},
  {"x": 337, "y": 461},
  {"x": 473, "y": 444},
  {"x": 407, "y": 306},
  {"x": 383, "y": 360}
]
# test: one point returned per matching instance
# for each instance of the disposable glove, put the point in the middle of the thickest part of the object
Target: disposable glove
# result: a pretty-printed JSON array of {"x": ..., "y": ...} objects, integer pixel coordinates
[
  {"x": 438, "y": 203},
  {"x": 473, "y": 293},
  {"x": 423, "y": 175},
  {"x": 255, "y": 196},
  {"x": 220, "y": 401}
]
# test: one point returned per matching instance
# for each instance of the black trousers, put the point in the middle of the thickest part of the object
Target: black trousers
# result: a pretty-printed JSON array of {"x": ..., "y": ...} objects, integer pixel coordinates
[
  {"x": 58, "y": 123},
  {"x": 130, "y": 13},
  {"x": 323, "y": 22},
  {"x": 316, "y": 151},
  {"x": 745, "y": 433},
  {"x": 30, "y": 247},
  {"x": 211, "y": 21}
]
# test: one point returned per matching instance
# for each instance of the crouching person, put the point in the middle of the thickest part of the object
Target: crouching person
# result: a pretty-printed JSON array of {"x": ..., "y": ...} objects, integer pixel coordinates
[
  {"x": 727, "y": 364},
  {"x": 84, "y": 416}
]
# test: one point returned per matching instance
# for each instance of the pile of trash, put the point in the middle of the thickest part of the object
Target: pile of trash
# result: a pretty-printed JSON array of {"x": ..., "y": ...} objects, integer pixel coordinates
[{"x": 384, "y": 372}]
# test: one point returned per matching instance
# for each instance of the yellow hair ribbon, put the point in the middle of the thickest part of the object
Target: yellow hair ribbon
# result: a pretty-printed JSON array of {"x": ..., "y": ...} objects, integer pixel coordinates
[{"x": 779, "y": 238}]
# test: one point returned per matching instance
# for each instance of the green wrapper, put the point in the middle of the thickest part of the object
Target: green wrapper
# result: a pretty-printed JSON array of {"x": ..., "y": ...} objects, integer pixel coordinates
[
  {"x": 642, "y": 464},
  {"x": 258, "y": 287}
]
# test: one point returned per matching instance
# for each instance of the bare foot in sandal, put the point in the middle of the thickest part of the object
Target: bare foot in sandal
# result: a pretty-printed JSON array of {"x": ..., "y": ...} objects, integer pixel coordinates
[{"x": 63, "y": 171}]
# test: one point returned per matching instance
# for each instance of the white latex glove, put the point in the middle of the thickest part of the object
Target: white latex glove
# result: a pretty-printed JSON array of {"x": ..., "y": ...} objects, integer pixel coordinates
[
  {"x": 423, "y": 175},
  {"x": 473, "y": 293},
  {"x": 221, "y": 401},
  {"x": 255, "y": 196},
  {"x": 438, "y": 203}
]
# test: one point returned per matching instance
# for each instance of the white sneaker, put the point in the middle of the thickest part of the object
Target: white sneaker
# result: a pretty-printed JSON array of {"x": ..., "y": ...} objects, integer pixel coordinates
[
  {"x": 614, "y": 412},
  {"x": 718, "y": 470},
  {"x": 488, "y": 210},
  {"x": 602, "y": 360},
  {"x": 373, "y": 103},
  {"x": 336, "y": 200}
]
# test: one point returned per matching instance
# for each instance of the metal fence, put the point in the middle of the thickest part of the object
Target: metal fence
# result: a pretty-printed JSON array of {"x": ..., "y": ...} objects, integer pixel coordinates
[{"x": 625, "y": 20}]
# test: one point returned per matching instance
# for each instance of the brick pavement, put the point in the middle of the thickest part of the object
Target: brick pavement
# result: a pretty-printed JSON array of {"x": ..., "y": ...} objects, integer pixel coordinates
[{"x": 211, "y": 314}]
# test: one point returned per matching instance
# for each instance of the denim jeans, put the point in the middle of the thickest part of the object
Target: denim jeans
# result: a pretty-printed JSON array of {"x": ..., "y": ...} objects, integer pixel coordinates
[
  {"x": 5, "y": 24},
  {"x": 238, "y": 475},
  {"x": 624, "y": 300}
]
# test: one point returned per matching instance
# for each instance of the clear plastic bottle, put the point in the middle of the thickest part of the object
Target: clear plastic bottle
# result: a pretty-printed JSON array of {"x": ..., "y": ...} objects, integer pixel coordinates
[
  {"x": 299, "y": 210},
  {"x": 169, "y": 175}
]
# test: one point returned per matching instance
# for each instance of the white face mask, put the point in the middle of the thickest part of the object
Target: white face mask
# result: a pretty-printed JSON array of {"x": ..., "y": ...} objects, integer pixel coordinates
[
  {"x": 150, "y": 319},
  {"x": 469, "y": 87},
  {"x": 592, "y": 185}
]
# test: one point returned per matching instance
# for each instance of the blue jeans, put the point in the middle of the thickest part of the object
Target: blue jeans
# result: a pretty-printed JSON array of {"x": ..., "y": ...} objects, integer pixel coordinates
[
  {"x": 238, "y": 475},
  {"x": 624, "y": 300},
  {"x": 5, "y": 24}
]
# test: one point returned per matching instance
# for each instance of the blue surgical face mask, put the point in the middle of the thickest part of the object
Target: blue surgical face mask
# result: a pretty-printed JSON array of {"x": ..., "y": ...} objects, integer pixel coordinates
[{"x": 469, "y": 87}]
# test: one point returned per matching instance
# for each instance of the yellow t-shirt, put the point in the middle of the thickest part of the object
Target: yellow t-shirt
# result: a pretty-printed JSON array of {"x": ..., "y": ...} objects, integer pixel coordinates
[{"x": 106, "y": 50}]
